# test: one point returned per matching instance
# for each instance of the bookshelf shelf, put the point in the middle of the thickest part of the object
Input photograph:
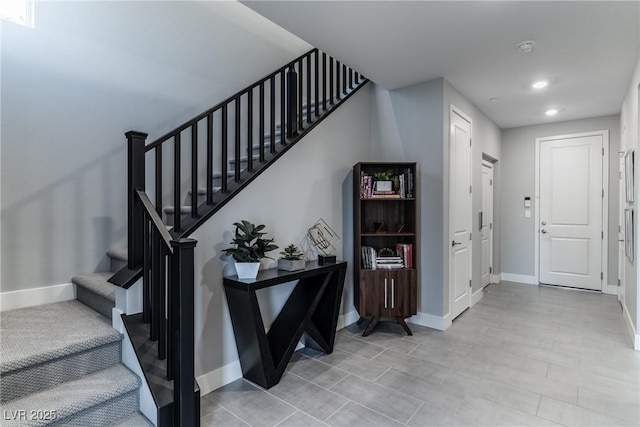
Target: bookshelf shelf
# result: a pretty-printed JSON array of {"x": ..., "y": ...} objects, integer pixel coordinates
[{"x": 385, "y": 238}]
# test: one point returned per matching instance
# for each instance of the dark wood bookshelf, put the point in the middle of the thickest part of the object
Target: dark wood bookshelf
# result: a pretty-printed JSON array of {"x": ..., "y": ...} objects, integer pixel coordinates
[{"x": 384, "y": 222}]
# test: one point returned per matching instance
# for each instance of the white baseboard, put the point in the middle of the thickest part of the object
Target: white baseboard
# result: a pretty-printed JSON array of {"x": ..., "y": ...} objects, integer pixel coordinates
[
  {"x": 610, "y": 289},
  {"x": 219, "y": 377},
  {"x": 346, "y": 319},
  {"x": 635, "y": 338},
  {"x": 477, "y": 296},
  {"x": 37, "y": 296},
  {"x": 519, "y": 278},
  {"x": 496, "y": 278},
  {"x": 431, "y": 321}
]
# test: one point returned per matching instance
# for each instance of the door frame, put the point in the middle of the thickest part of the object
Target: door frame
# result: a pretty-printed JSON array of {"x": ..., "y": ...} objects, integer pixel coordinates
[
  {"x": 491, "y": 165},
  {"x": 604, "y": 257},
  {"x": 455, "y": 110}
]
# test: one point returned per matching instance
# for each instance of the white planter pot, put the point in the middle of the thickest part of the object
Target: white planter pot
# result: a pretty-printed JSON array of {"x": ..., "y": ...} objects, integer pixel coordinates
[
  {"x": 247, "y": 270},
  {"x": 383, "y": 186},
  {"x": 291, "y": 264}
]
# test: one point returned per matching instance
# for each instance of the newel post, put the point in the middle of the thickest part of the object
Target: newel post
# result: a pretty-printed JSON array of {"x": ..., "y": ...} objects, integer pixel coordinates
[
  {"x": 136, "y": 174},
  {"x": 292, "y": 102},
  {"x": 186, "y": 408}
]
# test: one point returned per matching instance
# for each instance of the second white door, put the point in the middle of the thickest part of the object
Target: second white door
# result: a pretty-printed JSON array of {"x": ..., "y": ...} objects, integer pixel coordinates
[
  {"x": 486, "y": 224},
  {"x": 571, "y": 217}
]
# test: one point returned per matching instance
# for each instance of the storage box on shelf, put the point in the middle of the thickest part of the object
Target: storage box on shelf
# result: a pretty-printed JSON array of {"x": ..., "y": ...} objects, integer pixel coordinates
[{"x": 385, "y": 224}]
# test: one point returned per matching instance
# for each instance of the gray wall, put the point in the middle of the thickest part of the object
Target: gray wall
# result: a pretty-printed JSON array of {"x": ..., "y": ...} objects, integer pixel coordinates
[
  {"x": 630, "y": 140},
  {"x": 411, "y": 124},
  {"x": 407, "y": 125},
  {"x": 313, "y": 180},
  {"x": 87, "y": 73},
  {"x": 518, "y": 151}
]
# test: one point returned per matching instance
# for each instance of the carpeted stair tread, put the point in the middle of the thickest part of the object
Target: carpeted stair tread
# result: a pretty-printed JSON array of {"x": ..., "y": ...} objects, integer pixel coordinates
[
  {"x": 183, "y": 209},
  {"x": 72, "y": 398},
  {"x": 98, "y": 283},
  {"x": 119, "y": 254},
  {"x": 134, "y": 420},
  {"x": 35, "y": 335}
]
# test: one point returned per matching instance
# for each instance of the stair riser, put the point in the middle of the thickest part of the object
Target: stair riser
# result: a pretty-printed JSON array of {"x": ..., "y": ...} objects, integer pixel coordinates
[
  {"x": 92, "y": 300},
  {"x": 103, "y": 413},
  {"x": 46, "y": 375},
  {"x": 117, "y": 264}
]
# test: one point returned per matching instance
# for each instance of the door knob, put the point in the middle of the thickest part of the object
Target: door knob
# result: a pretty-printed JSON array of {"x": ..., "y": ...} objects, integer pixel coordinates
[
  {"x": 544, "y": 222},
  {"x": 543, "y": 231},
  {"x": 454, "y": 243}
]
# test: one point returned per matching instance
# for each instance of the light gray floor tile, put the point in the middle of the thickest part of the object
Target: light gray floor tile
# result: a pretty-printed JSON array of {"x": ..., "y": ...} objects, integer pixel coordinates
[
  {"x": 445, "y": 397},
  {"x": 308, "y": 397},
  {"x": 523, "y": 355},
  {"x": 615, "y": 405},
  {"x": 571, "y": 415},
  {"x": 218, "y": 416},
  {"x": 252, "y": 404},
  {"x": 413, "y": 365},
  {"x": 317, "y": 372},
  {"x": 432, "y": 415},
  {"x": 354, "y": 364},
  {"x": 358, "y": 347},
  {"x": 354, "y": 415},
  {"x": 381, "y": 399},
  {"x": 494, "y": 414},
  {"x": 299, "y": 419}
]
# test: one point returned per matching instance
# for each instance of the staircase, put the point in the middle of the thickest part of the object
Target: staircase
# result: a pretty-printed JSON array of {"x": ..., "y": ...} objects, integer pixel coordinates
[{"x": 61, "y": 363}]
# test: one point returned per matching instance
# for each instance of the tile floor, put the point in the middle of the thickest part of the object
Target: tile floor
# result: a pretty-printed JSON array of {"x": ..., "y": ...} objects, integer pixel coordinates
[{"x": 524, "y": 355}]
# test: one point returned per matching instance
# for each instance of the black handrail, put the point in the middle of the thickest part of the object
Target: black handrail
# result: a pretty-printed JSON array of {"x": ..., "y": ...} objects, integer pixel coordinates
[{"x": 312, "y": 86}]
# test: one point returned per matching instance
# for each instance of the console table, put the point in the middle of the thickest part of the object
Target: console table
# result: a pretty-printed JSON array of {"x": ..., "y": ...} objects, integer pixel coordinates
[{"x": 313, "y": 307}]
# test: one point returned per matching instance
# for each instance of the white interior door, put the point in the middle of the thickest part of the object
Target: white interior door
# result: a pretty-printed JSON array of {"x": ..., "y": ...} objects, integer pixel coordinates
[
  {"x": 571, "y": 218},
  {"x": 486, "y": 227},
  {"x": 460, "y": 213},
  {"x": 622, "y": 203}
]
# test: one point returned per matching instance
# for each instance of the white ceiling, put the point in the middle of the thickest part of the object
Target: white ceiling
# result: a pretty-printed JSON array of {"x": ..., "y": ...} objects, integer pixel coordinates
[{"x": 586, "y": 49}]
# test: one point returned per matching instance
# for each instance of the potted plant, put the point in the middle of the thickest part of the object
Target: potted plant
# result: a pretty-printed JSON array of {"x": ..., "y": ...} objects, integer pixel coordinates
[
  {"x": 250, "y": 248},
  {"x": 292, "y": 259},
  {"x": 383, "y": 180}
]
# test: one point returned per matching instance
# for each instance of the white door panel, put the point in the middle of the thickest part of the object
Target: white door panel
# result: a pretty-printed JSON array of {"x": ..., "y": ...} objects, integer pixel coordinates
[
  {"x": 460, "y": 214},
  {"x": 571, "y": 194},
  {"x": 486, "y": 228}
]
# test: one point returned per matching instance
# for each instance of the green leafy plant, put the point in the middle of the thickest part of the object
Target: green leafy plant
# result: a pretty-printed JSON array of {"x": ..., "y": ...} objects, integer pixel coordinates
[
  {"x": 250, "y": 245},
  {"x": 383, "y": 176},
  {"x": 291, "y": 252}
]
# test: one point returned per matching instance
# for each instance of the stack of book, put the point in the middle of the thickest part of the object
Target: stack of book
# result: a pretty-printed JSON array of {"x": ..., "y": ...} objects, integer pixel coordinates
[
  {"x": 389, "y": 262},
  {"x": 369, "y": 259},
  {"x": 404, "y": 184},
  {"x": 366, "y": 186},
  {"x": 405, "y": 251}
]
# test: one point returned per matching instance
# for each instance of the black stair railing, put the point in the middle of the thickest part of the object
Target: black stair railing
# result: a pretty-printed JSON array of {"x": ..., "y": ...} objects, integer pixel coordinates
[{"x": 209, "y": 159}]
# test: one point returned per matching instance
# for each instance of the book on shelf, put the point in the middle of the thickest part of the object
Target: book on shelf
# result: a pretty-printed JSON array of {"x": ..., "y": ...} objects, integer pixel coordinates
[
  {"x": 368, "y": 257},
  {"x": 405, "y": 251}
]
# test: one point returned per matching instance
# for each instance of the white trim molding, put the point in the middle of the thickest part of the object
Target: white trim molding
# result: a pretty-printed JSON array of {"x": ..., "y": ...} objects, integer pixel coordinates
[
  {"x": 519, "y": 278},
  {"x": 431, "y": 321},
  {"x": 496, "y": 278},
  {"x": 477, "y": 296},
  {"x": 346, "y": 319},
  {"x": 37, "y": 296},
  {"x": 635, "y": 338},
  {"x": 217, "y": 378}
]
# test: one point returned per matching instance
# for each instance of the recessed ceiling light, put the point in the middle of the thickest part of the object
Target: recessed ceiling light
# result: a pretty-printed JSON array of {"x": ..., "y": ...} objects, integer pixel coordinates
[
  {"x": 526, "y": 46},
  {"x": 551, "y": 112},
  {"x": 540, "y": 84}
]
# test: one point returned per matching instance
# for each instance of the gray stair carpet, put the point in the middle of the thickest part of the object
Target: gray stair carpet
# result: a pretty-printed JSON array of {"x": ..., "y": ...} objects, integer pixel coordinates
[
  {"x": 93, "y": 400},
  {"x": 39, "y": 346},
  {"x": 134, "y": 420},
  {"x": 60, "y": 365},
  {"x": 95, "y": 291}
]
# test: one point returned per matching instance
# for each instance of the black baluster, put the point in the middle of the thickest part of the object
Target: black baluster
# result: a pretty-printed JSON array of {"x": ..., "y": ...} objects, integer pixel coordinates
[
  {"x": 194, "y": 170},
  {"x": 309, "y": 100},
  {"x": 299, "y": 106},
  {"x": 292, "y": 99},
  {"x": 272, "y": 115},
  {"x": 350, "y": 78},
  {"x": 176, "y": 182},
  {"x": 136, "y": 181},
  {"x": 324, "y": 81},
  {"x": 238, "y": 150},
  {"x": 344, "y": 79},
  {"x": 147, "y": 277},
  {"x": 330, "y": 81},
  {"x": 224, "y": 159},
  {"x": 158, "y": 151},
  {"x": 210, "y": 159},
  {"x": 250, "y": 129},
  {"x": 338, "y": 68},
  {"x": 282, "y": 107},
  {"x": 316, "y": 80},
  {"x": 261, "y": 128}
]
